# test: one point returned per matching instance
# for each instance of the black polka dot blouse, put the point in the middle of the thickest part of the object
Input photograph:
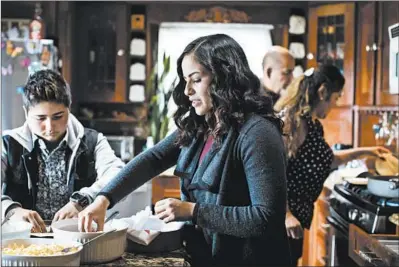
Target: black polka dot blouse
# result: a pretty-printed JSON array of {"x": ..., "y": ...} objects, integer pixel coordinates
[{"x": 307, "y": 171}]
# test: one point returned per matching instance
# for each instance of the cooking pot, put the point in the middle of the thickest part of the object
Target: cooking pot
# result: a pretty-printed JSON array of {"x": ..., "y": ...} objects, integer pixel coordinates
[{"x": 384, "y": 186}]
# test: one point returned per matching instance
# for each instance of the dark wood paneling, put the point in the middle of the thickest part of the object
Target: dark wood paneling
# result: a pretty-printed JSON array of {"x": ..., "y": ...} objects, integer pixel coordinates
[
  {"x": 64, "y": 28},
  {"x": 26, "y": 10},
  {"x": 121, "y": 70},
  {"x": 366, "y": 56},
  {"x": 18, "y": 9},
  {"x": 388, "y": 15},
  {"x": 262, "y": 12}
]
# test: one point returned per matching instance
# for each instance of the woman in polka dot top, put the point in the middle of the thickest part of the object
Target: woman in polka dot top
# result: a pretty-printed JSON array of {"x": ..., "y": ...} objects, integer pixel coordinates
[{"x": 310, "y": 159}]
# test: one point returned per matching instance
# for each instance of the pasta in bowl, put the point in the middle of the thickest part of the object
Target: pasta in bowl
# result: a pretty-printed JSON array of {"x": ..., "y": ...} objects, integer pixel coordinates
[
  {"x": 40, "y": 252},
  {"x": 36, "y": 249}
]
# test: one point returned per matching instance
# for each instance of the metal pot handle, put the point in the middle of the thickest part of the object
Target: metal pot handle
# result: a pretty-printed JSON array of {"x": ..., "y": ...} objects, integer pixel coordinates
[{"x": 394, "y": 183}]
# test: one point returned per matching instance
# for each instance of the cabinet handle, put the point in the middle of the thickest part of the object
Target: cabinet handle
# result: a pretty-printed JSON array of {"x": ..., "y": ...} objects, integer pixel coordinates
[
  {"x": 368, "y": 48},
  {"x": 310, "y": 56},
  {"x": 375, "y": 47}
]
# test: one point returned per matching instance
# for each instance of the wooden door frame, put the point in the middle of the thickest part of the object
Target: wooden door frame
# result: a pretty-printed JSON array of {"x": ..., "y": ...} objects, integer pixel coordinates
[{"x": 348, "y": 10}]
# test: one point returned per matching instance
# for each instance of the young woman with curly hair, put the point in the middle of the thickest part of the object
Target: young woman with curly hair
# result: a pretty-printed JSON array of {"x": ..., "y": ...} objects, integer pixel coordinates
[
  {"x": 230, "y": 159},
  {"x": 310, "y": 159}
]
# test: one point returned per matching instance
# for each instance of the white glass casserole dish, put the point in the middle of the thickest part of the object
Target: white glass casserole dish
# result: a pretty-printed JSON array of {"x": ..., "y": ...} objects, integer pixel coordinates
[
  {"x": 107, "y": 248},
  {"x": 68, "y": 259}
]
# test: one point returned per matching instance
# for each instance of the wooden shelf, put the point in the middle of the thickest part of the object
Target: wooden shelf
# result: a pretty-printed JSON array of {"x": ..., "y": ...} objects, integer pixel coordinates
[
  {"x": 136, "y": 82},
  {"x": 137, "y": 57}
]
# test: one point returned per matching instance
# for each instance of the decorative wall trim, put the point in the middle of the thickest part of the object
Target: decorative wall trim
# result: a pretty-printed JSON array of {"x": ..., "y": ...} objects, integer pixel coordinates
[{"x": 218, "y": 14}]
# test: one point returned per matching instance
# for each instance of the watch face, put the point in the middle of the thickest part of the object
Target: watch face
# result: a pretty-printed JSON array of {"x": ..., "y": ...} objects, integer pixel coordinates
[{"x": 82, "y": 200}]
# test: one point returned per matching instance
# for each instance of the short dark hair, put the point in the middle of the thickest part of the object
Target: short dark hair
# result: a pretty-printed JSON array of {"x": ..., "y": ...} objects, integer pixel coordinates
[
  {"x": 234, "y": 90},
  {"x": 46, "y": 86}
]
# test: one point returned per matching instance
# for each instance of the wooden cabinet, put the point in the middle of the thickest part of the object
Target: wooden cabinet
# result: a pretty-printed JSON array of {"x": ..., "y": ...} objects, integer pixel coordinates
[
  {"x": 165, "y": 186},
  {"x": 101, "y": 51},
  {"x": 330, "y": 40},
  {"x": 316, "y": 238},
  {"x": 372, "y": 82},
  {"x": 367, "y": 53},
  {"x": 388, "y": 14}
]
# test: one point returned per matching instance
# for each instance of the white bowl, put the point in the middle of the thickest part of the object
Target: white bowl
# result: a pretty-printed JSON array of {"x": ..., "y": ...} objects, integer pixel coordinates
[
  {"x": 70, "y": 259},
  {"x": 13, "y": 230},
  {"x": 104, "y": 249}
]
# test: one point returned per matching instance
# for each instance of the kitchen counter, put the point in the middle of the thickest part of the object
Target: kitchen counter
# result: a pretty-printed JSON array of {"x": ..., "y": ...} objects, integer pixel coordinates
[{"x": 175, "y": 258}]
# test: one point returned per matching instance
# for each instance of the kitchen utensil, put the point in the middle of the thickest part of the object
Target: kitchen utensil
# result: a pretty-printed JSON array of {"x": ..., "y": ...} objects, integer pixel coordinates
[
  {"x": 69, "y": 259},
  {"x": 5, "y": 220},
  {"x": 91, "y": 240},
  {"x": 99, "y": 251}
]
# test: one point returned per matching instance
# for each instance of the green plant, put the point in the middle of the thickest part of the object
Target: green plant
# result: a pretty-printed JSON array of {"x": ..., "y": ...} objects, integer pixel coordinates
[{"x": 159, "y": 98}]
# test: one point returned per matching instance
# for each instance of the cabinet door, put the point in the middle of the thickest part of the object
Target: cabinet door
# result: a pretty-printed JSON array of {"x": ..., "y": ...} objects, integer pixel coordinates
[
  {"x": 101, "y": 46},
  {"x": 388, "y": 14},
  {"x": 338, "y": 126},
  {"x": 366, "y": 59},
  {"x": 331, "y": 40}
]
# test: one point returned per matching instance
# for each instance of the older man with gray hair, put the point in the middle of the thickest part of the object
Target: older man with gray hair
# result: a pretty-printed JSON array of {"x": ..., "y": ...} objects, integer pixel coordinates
[{"x": 278, "y": 65}]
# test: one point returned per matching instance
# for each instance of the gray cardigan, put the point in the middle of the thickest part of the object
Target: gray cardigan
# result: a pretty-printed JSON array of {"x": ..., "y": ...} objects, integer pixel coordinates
[{"x": 240, "y": 191}]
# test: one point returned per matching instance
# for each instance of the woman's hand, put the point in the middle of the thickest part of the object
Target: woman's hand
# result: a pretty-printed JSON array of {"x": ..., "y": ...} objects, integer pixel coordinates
[
  {"x": 293, "y": 226},
  {"x": 172, "y": 209},
  {"x": 376, "y": 151},
  {"x": 94, "y": 212},
  {"x": 31, "y": 216}
]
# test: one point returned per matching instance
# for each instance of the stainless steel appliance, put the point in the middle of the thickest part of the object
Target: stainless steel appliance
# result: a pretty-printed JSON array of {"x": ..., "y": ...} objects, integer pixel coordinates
[
  {"x": 393, "y": 32},
  {"x": 19, "y": 58},
  {"x": 353, "y": 204},
  {"x": 373, "y": 250}
]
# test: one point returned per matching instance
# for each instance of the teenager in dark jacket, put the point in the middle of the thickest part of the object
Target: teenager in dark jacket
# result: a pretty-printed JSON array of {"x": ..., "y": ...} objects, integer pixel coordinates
[
  {"x": 230, "y": 159},
  {"x": 52, "y": 166}
]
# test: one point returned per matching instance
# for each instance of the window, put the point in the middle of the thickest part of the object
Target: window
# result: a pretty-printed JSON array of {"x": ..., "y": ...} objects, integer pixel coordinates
[{"x": 255, "y": 39}]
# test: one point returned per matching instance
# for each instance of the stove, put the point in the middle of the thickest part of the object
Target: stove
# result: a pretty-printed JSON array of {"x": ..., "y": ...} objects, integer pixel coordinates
[{"x": 354, "y": 204}]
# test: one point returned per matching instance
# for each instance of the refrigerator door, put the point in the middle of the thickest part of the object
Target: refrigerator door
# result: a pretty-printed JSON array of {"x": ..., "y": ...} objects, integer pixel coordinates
[{"x": 19, "y": 58}]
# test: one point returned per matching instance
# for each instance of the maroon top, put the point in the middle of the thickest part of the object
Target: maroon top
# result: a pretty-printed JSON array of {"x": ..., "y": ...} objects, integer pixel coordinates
[{"x": 206, "y": 148}]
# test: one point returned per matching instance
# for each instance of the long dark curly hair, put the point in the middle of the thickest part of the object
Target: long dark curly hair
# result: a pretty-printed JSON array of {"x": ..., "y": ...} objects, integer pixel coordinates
[
  {"x": 234, "y": 91},
  {"x": 302, "y": 98}
]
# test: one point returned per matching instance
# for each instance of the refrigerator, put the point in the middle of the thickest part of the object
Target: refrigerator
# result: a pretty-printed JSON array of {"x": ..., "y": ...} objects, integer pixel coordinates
[{"x": 19, "y": 58}]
